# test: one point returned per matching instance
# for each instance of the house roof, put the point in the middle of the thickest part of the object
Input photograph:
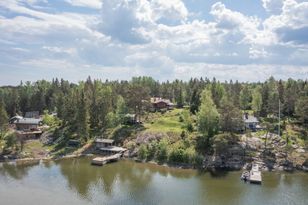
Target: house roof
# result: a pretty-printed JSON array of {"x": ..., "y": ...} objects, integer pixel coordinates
[
  {"x": 104, "y": 140},
  {"x": 130, "y": 115},
  {"x": 159, "y": 100},
  {"x": 29, "y": 121},
  {"x": 113, "y": 149},
  {"x": 250, "y": 119},
  {"x": 32, "y": 114}
]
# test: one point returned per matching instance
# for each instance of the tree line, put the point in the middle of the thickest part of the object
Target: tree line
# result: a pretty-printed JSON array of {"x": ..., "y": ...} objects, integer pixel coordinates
[{"x": 90, "y": 106}]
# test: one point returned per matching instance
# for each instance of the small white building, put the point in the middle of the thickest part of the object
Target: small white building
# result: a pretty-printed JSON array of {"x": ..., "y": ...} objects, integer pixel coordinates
[{"x": 251, "y": 122}]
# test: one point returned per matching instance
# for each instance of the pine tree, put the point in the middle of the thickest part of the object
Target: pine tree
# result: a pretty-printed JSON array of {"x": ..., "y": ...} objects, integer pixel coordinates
[
  {"x": 256, "y": 103},
  {"x": 83, "y": 116},
  {"x": 245, "y": 98},
  {"x": 230, "y": 116},
  {"x": 3, "y": 117}
]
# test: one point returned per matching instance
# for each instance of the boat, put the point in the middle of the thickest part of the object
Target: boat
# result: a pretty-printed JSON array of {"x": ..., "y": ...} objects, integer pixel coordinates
[{"x": 245, "y": 176}]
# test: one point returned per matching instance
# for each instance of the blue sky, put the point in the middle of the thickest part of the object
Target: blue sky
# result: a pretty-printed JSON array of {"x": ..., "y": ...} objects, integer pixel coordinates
[{"x": 118, "y": 39}]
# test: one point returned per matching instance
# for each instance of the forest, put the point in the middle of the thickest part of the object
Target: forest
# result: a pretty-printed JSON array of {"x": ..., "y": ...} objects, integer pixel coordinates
[{"x": 91, "y": 108}]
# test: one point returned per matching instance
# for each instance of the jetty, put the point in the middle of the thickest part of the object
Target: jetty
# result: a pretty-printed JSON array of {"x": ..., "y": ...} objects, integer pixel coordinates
[
  {"x": 104, "y": 160},
  {"x": 255, "y": 175}
]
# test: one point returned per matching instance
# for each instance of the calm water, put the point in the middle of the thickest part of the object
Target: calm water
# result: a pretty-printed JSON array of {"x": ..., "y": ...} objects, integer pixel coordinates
[{"x": 75, "y": 181}]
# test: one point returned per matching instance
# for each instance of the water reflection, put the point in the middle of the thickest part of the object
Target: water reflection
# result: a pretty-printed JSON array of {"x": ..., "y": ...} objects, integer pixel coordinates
[
  {"x": 127, "y": 182},
  {"x": 225, "y": 189},
  {"x": 16, "y": 171}
]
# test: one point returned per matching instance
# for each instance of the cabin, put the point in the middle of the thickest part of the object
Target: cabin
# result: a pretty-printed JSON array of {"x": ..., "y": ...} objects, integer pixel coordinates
[
  {"x": 106, "y": 146},
  {"x": 102, "y": 143},
  {"x": 27, "y": 124},
  {"x": 251, "y": 122},
  {"x": 33, "y": 114},
  {"x": 130, "y": 119},
  {"x": 160, "y": 103},
  {"x": 73, "y": 143}
]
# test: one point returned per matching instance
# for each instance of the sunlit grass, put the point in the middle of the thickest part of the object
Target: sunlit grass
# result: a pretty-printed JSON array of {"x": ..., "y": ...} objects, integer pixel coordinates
[{"x": 166, "y": 122}]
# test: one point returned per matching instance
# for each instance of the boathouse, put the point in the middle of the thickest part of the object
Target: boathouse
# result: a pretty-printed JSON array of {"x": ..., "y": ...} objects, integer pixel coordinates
[{"x": 106, "y": 146}]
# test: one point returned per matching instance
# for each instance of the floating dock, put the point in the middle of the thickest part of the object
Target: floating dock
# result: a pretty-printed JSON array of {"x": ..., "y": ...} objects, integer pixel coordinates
[
  {"x": 104, "y": 160},
  {"x": 255, "y": 176}
]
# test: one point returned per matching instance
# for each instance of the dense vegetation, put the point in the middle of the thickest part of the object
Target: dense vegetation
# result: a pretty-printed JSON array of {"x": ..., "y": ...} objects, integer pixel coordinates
[{"x": 208, "y": 107}]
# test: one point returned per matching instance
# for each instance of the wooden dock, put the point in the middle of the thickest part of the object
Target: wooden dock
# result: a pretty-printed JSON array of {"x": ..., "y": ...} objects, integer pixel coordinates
[
  {"x": 104, "y": 160},
  {"x": 255, "y": 175}
]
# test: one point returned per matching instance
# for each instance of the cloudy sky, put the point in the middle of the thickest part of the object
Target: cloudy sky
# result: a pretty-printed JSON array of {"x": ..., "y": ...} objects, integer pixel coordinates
[{"x": 166, "y": 39}]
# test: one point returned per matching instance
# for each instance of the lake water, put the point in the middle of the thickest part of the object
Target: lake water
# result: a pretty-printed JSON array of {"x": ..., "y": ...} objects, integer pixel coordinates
[{"x": 75, "y": 181}]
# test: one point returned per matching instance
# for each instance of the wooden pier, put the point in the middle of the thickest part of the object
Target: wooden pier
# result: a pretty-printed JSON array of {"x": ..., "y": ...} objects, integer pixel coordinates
[
  {"x": 255, "y": 175},
  {"x": 104, "y": 160}
]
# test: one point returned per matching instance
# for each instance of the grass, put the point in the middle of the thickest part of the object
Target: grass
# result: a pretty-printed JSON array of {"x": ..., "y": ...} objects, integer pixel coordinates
[
  {"x": 166, "y": 122},
  {"x": 294, "y": 135},
  {"x": 34, "y": 148}
]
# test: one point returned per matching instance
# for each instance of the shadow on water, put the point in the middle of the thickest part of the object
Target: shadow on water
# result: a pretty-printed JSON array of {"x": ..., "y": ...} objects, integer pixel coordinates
[
  {"x": 16, "y": 171},
  {"x": 218, "y": 173},
  {"x": 128, "y": 182},
  {"x": 81, "y": 176}
]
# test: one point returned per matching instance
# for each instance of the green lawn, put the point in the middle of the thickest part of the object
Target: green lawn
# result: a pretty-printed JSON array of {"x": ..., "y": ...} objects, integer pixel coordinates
[{"x": 167, "y": 122}]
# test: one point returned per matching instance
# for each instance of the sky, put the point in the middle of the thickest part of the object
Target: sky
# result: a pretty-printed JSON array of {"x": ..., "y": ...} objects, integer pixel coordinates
[{"x": 245, "y": 40}]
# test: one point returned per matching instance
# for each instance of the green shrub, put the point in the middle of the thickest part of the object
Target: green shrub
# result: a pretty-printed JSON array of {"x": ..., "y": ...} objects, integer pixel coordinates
[
  {"x": 162, "y": 154},
  {"x": 143, "y": 152}
]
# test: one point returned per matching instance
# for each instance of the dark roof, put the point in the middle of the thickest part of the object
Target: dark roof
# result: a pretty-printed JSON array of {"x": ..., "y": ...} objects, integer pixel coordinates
[
  {"x": 250, "y": 119},
  {"x": 29, "y": 121},
  {"x": 32, "y": 114},
  {"x": 104, "y": 141}
]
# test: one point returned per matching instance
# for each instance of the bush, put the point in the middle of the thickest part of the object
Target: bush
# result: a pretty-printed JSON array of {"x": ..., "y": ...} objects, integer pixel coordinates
[
  {"x": 10, "y": 140},
  {"x": 143, "y": 152},
  {"x": 162, "y": 154},
  {"x": 50, "y": 120},
  {"x": 222, "y": 141},
  {"x": 152, "y": 148},
  {"x": 176, "y": 155}
]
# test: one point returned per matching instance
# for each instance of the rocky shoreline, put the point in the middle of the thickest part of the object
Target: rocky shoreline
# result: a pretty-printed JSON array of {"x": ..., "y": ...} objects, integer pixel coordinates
[
  {"x": 229, "y": 166},
  {"x": 272, "y": 156}
]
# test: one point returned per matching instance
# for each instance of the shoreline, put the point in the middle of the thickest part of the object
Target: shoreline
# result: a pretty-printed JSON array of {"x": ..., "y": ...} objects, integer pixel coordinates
[{"x": 34, "y": 161}]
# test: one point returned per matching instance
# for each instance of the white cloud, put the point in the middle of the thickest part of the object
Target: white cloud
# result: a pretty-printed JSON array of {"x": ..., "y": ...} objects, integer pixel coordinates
[
  {"x": 256, "y": 53},
  {"x": 155, "y": 38},
  {"x": 171, "y": 11},
  {"x": 272, "y": 5},
  {"x": 291, "y": 25},
  {"x": 94, "y": 4}
]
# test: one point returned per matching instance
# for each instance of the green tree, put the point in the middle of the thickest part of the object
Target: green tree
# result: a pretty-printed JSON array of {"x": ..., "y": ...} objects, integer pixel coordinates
[
  {"x": 3, "y": 117},
  {"x": 83, "y": 117},
  {"x": 245, "y": 98},
  {"x": 10, "y": 140},
  {"x": 187, "y": 121},
  {"x": 121, "y": 109},
  {"x": 208, "y": 116},
  {"x": 256, "y": 103},
  {"x": 230, "y": 116},
  {"x": 194, "y": 101},
  {"x": 301, "y": 109},
  {"x": 222, "y": 141}
]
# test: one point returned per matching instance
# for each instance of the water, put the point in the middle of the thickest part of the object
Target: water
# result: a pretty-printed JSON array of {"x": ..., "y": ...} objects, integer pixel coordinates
[{"x": 75, "y": 181}]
